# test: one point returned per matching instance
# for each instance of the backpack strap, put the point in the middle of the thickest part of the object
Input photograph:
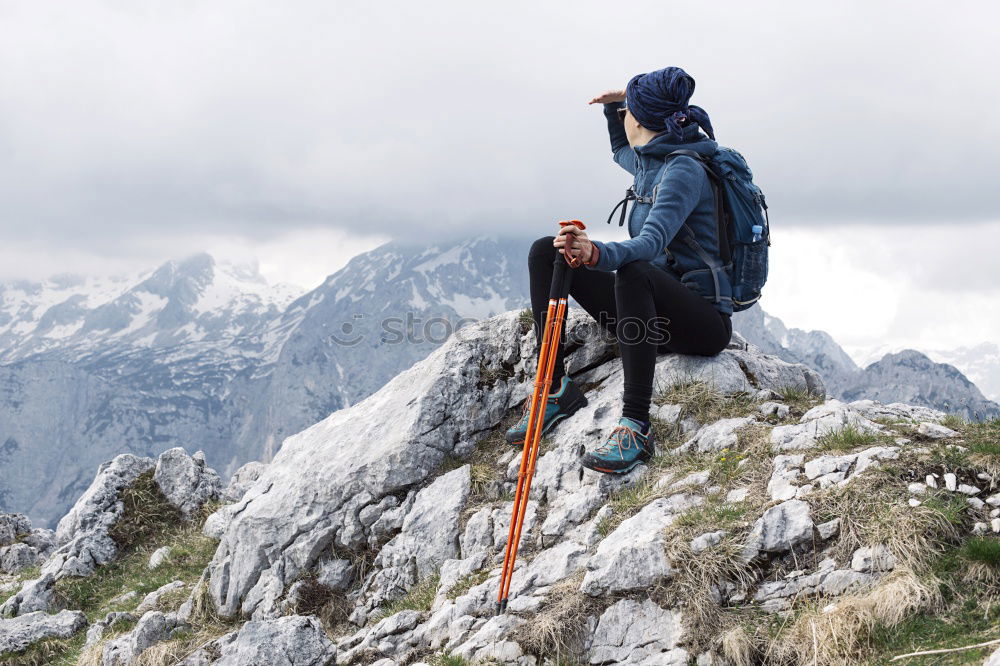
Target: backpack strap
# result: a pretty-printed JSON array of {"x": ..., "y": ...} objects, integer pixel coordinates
[
  {"x": 720, "y": 213},
  {"x": 713, "y": 265}
]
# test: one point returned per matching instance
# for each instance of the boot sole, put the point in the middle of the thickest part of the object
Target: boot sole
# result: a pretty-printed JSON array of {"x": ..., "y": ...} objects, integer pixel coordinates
[{"x": 571, "y": 409}]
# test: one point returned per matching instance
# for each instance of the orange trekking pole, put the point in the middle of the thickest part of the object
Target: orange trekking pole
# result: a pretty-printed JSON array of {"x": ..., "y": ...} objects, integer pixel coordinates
[{"x": 554, "y": 318}]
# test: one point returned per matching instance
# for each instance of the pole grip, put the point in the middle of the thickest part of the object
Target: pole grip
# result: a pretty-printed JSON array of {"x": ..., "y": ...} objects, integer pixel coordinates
[{"x": 574, "y": 262}]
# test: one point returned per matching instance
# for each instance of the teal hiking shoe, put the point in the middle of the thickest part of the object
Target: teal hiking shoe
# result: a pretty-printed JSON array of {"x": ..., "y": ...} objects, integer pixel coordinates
[
  {"x": 560, "y": 405},
  {"x": 625, "y": 448}
]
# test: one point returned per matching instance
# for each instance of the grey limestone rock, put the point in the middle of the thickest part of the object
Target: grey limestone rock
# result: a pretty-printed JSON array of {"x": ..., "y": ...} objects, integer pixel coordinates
[
  {"x": 293, "y": 640},
  {"x": 781, "y": 528},
  {"x": 185, "y": 480},
  {"x": 633, "y": 556},
  {"x": 19, "y": 633},
  {"x": 151, "y": 628},
  {"x": 634, "y": 632},
  {"x": 241, "y": 481},
  {"x": 831, "y": 416}
]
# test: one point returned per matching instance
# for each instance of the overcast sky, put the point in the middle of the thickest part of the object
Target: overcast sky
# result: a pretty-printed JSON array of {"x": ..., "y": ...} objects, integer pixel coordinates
[{"x": 132, "y": 132}]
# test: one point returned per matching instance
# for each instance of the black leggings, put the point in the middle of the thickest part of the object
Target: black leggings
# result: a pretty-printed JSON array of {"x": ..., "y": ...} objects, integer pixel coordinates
[{"x": 644, "y": 306}]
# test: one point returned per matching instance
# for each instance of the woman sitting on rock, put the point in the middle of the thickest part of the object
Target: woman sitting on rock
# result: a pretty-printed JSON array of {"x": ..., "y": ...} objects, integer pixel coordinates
[{"x": 633, "y": 287}]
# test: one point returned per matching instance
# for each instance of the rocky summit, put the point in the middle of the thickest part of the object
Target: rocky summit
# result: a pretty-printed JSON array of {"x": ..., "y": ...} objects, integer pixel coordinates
[{"x": 775, "y": 524}]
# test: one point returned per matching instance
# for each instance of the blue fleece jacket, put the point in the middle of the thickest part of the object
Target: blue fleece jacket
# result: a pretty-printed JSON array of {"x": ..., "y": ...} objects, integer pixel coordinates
[{"x": 684, "y": 195}]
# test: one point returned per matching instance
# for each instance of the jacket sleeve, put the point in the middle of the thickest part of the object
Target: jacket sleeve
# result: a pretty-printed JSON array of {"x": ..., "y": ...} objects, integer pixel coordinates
[
  {"x": 680, "y": 188},
  {"x": 623, "y": 153}
]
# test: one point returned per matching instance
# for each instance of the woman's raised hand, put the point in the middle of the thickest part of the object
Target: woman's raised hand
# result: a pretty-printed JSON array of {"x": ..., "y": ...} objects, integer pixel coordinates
[
  {"x": 575, "y": 239},
  {"x": 609, "y": 96}
]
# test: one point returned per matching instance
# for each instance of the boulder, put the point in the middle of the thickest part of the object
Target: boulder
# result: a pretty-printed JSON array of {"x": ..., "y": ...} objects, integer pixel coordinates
[
  {"x": 149, "y": 602},
  {"x": 35, "y": 595},
  {"x": 935, "y": 430},
  {"x": 781, "y": 528},
  {"x": 716, "y": 436},
  {"x": 12, "y": 526},
  {"x": 634, "y": 632},
  {"x": 633, "y": 556},
  {"x": 185, "y": 480},
  {"x": 96, "y": 630},
  {"x": 293, "y": 640},
  {"x": 83, "y": 533},
  {"x": 429, "y": 536},
  {"x": 20, "y": 633},
  {"x": 873, "y": 558},
  {"x": 17, "y": 557},
  {"x": 151, "y": 628}
]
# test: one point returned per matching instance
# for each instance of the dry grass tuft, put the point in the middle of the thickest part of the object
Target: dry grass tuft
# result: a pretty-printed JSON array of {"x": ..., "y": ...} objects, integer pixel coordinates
[
  {"x": 738, "y": 646},
  {"x": 147, "y": 514},
  {"x": 873, "y": 510},
  {"x": 697, "y": 577},
  {"x": 331, "y": 607},
  {"x": 559, "y": 630},
  {"x": 705, "y": 402},
  {"x": 839, "y": 635}
]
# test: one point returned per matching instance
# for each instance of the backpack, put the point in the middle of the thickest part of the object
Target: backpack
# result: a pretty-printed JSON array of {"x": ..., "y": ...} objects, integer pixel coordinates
[{"x": 739, "y": 206}]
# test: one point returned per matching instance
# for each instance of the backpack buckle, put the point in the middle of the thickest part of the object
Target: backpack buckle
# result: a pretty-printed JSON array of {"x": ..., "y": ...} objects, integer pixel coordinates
[{"x": 630, "y": 195}]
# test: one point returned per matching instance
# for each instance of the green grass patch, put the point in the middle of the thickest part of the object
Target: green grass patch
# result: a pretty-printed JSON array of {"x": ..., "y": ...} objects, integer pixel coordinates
[
  {"x": 985, "y": 550},
  {"x": 145, "y": 526},
  {"x": 191, "y": 551},
  {"x": 725, "y": 465},
  {"x": 713, "y": 515},
  {"x": 467, "y": 582},
  {"x": 847, "y": 438},
  {"x": 954, "y": 421},
  {"x": 951, "y": 506},
  {"x": 446, "y": 659},
  {"x": 798, "y": 398},
  {"x": 983, "y": 437},
  {"x": 30, "y": 573},
  {"x": 947, "y": 455},
  {"x": 526, "y": 320},
  {"x": 971, "y": 615},
  {"x": 419, "y": 598}
]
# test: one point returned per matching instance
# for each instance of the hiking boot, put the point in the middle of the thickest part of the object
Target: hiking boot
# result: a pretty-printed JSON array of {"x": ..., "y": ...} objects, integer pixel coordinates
[
  {"x": 625, "y": 448},
  {"x": 558, "y": 406}
]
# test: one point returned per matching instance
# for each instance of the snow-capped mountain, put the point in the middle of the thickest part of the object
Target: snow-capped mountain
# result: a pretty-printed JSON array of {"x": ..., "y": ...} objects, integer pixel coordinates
[
  {"x": 209, "y": 356},
  {"x": 903, "y": 376},
  {"x": 193, "y": 300}
]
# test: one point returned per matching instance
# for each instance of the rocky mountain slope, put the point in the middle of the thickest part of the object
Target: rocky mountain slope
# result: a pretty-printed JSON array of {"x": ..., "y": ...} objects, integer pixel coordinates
[
  {"x": 774, "y": 526},
  {"x": 208, "y": 356},
  {"x": 904, "y": 376},
  {"x": 980, "y": 363}
]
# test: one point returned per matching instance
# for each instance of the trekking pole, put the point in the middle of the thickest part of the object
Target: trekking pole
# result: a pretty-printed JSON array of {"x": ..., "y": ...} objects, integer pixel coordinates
[{"x": 556, "y": 314}]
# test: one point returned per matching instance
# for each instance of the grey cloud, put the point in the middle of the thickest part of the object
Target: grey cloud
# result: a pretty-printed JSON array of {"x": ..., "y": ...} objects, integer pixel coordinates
[{"x": 131, "y": 119}]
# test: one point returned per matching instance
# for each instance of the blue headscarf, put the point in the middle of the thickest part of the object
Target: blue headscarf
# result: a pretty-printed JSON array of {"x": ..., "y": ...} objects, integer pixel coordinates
[{"x": 659, "y": 101}]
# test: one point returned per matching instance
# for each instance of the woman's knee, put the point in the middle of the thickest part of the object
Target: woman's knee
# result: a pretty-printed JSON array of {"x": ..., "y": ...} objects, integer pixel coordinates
[{"x": 542, "y": 247}]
